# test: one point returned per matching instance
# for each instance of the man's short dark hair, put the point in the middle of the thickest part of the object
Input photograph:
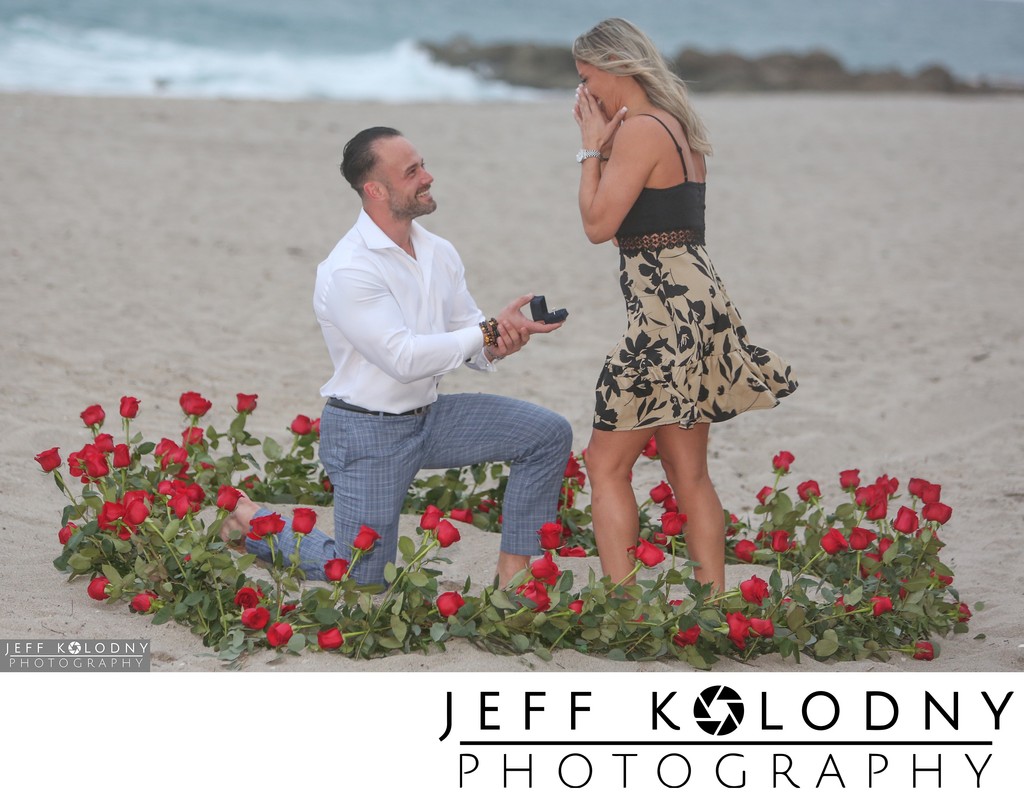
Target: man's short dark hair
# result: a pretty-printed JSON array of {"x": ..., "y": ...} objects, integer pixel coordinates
[{"x": 359, "y": 159}]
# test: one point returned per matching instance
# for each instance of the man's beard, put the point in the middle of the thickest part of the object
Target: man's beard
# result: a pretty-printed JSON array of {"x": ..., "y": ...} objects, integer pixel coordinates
[{"x": 411, "y": 208}]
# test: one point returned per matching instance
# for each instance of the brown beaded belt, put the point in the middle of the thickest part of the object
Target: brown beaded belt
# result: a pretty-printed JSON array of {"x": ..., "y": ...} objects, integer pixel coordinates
[
  {"x": 670, "y": 238},
  {"x": 343, "y": 405}
]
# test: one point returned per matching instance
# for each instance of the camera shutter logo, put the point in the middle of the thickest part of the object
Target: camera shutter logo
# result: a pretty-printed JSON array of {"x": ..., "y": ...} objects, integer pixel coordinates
[
  {"x": 718, "y": 710},
  {"x": 74, "y": 647}
]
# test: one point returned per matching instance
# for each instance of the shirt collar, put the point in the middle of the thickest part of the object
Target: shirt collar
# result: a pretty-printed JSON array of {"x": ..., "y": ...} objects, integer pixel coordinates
[{"x": 375, "y": 238}]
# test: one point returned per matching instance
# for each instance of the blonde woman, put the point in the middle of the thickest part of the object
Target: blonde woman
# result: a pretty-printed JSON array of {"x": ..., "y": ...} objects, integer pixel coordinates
[{"x": 684, "y": 360}]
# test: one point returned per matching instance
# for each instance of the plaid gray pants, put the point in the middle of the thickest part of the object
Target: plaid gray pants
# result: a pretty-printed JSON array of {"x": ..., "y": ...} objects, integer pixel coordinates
[{"x": 372, "y": 460}]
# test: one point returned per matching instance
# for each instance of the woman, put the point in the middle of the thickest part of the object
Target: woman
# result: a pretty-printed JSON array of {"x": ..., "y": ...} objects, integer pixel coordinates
[{"x": 684, "y": 360}]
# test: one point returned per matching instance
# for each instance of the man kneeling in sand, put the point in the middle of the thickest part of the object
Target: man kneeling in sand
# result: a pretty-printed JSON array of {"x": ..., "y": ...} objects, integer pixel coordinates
[{"x": 396, "y": 315}]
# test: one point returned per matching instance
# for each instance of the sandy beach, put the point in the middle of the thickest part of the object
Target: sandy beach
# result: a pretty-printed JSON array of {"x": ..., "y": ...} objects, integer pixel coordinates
[{"x": 154, "y": 246}]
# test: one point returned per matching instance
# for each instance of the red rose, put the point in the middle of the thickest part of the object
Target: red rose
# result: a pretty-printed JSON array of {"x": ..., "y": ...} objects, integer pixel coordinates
[
  {"x": 227, "y": 497},
  {"x": 833, "y": 542},
  {"x": 329, "y": 639},
  {"x": 745, "y": 550},
  {"x": 465, "y": 515},
  {"x": 246, "y": 402},
  {"x": 143, "y": 602},
  {"x": 576, "y": 606},
  {"x": 763, "y": 495},
  {"x": 861, "y": 538},
  {"x": 122, "y": 456},
  {"x": 880, "y": 605},
  {"x": 93, "y": 416},
  {"x": 672, "y": 523},
  {"x": 687, "y": 638},
  {"x": 431, "y": 518},
  {"x": 129, "y": 407},
  {"x": 108, "y": 516},
  {"x": 782, "y": 461},
  {"x": 136, "y": 510},
  {"x": 849, "y": 478},
  {"x": 661, "y": 493},
  {"x": 303, "y": 520},
  {"x": 262, "y": 525},
  {"x": 651, "y": 448},
  {"x": 762, "y": 627},
  {"x": 335, "y": 569},
  {"x": 449, "y": 603},
  {"x": 780, "y": 541},
  {"x": 931, "y": 494},
  {"x": 104, "y": 442},
  {"x": 754, "y": 590},
  {"x": 545, "y": 569},
  {"x": 650, "y": 555},
  {"x": 739, "y": 627},
  {"x": 906, "y": 521},
  {"x": 192, "y": 436},
  {"x": 572, "y": 551},
  {"x": 572, "y": 467},
  {"x": 447, "y": 534},
  {"x": 963, "y": 613},
  {"x": 255, "y": 617},
  {"x": 537, "y": 593},
  {"x": 917, "y": 486},
  {"x": 247, "y": 597},
  {"x": 365, "y": 539},
  {"x": 279, "y": 633},
  {"x": 805, "y": 490},
  {"x": 49, "y": 460},
  {"x": 936, "y": 511},
  {"x": 942, "y": 579},
  {"x": 66, "y": 532},
  {"x": 98, "y": 588},
  {"x": 550, "y": 535},
  {"x": 924, "y": 650},
  {"x": 193, "y": 404},
  {"x": 302, "y": 425},
  {"x": 887, "y": 484}
]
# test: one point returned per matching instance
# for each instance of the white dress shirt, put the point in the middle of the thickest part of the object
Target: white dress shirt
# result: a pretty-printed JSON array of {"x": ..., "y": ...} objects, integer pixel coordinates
[{"x": 395, "y": 324}]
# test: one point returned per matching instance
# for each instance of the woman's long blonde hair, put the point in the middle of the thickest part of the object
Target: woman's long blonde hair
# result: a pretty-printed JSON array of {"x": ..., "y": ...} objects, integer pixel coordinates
[{"x": 621, "y": 48}]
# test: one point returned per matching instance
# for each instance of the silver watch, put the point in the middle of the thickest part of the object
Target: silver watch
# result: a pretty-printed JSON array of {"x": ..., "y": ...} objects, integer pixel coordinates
[{"x": 582, "y": 155}]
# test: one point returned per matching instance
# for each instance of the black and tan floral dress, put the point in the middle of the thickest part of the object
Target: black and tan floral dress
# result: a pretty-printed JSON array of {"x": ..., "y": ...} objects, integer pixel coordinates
[{"x": 684, "y": 358}]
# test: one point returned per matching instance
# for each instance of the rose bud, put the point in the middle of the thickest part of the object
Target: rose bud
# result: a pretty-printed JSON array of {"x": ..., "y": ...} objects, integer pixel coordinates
[
  {"x": 365, "y": 539},
  {"x": 887, "y": 484},
  {"x": 745, "y": 550},
  {"x": 651, "y": 449},
  {"x": 833, "y": 542},
  {"x": 924, "y": 650},
  {"x": 463, "y": 514},
  {"x": 104, "y": 442},
  {"x": 739, "y": 627},
  {"x": 931, "y": 494},
  {"x": 572, "y": 551},
  {"x": 906, "y": 521},
  {"x": 302, "y": 425},
  {"x": 227, "y": 497},
  {"x": 136, "y": 510},
  {"x": 255, "y": 617},
  {"x": 143, "y": 602},
  {"x": 193, "y": 404},
  {"x": 98, "y": 588},
  {"x": 537, "y": 593},
  {"x": 762, "y": 627},
  {"x": 447, "y": 534},
  {"x": 782, "y": 461},
  {"x": 687, "y": 638},
  {"x": 49, "y": 460},
  {"x": 754, "y": 590},
  {"x": 880, "y": 605},
  {"x": 545, "y": 569},
  {"x": 93, "y": 416},
  {"x": 449, "y": 603},
  {"x": 672, "y": 523},
  {"x": 917, "y": 486},
  {"x": 279, "y": 633},
  {"x": 329, "y": 639},
  {"x": 963, "y": 613},
  {"x": 303, "y": 520},
  {"x": 780, "y": 541},
  {"x": 937, "y": 511},
  {"x": 246, "y": 402},
  {"x": 122, "y": 456},
  {"x": 576, "y": 606},
  {"x": 335, "y": 569},
  {"x": 66, "y": 532},
  {"x": 647, "y": 553},
  {"x": 808, "y": 489},
  {"x": 861, "y": 538},
  {"x": 431, "y": 518},
  {"x": 129, "y": 407},
  {"x": 262, "y": 525},
  {"x": 763, "y": 495},
  {"x": 661, "y": 493},
  {"x": 550, "y": 535},
  {"x": 247, "y": 597},
  {"x": 849, "y": 478},
  {"x": 572, "y": 467},
  {"x": 192, "y": 436}
]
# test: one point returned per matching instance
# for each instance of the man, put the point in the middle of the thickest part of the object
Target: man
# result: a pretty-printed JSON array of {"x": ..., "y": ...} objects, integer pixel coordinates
[{"x": 396, "y": 315}]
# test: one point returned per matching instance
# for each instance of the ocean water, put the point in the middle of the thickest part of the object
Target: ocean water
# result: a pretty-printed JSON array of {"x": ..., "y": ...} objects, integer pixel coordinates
[{"x": 368, "y": 49}]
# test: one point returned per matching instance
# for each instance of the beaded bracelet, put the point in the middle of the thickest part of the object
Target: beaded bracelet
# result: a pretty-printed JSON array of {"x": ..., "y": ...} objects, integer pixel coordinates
[{"x": 490, "y": 331}]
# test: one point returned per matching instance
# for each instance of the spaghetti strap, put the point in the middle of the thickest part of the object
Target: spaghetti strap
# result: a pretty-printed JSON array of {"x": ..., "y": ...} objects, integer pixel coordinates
[{"x": 682, "y": 160}]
